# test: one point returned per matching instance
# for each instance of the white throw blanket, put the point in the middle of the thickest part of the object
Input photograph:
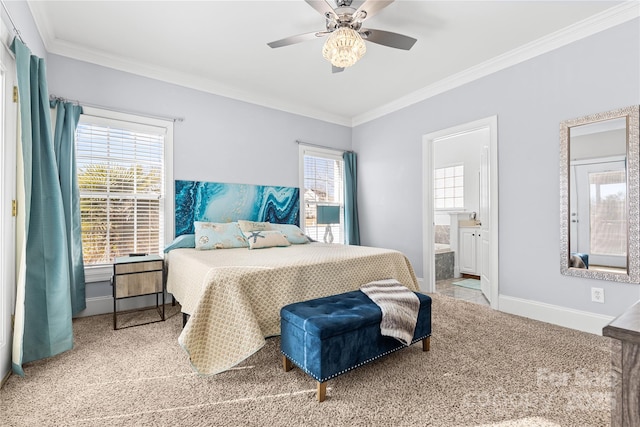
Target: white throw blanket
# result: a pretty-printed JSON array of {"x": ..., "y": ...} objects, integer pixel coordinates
[{"x": 399, "y": 307}]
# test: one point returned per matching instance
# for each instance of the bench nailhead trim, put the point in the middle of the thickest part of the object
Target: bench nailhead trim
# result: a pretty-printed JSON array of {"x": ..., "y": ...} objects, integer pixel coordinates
[{"x": 299, "y": 365}]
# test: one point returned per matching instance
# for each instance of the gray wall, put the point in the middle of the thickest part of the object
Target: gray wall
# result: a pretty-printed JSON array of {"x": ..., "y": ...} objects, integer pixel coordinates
[{"x": 599, "y": 73}]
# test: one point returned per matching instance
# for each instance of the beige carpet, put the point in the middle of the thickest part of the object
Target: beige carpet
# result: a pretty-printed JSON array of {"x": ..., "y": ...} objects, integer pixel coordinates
[{"x": 485, "y": 368}]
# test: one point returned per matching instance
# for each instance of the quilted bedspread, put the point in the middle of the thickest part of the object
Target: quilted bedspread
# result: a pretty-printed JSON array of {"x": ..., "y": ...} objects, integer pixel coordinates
[{"x": 234, "y": 296}]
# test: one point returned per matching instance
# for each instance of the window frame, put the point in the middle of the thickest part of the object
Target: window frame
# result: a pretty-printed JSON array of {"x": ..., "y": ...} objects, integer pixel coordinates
[
  {"x": 103, "y": 272},
  {"x": 327, "y": 153}
]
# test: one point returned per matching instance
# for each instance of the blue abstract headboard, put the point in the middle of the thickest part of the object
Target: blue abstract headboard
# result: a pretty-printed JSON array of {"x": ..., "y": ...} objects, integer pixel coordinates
[{"x": 219, "y": 202}]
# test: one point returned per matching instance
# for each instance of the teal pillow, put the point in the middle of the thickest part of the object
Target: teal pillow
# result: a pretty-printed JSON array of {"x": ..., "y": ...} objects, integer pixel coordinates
[
  {"x": 212, "y": 235},
  {"x": 184, "y": 241},
  {"x": 292, "y": 232}
]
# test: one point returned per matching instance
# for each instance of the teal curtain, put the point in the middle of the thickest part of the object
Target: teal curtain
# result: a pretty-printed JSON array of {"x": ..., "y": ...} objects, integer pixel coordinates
[
  {"x": 67, "y": 117},
  {"x": 43, "y": 296},
  {"x": 351, "y": 224}
]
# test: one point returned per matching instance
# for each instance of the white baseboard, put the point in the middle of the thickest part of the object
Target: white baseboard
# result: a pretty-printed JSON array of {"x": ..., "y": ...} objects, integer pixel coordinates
[
  {"x": 5, "y": 378},
  {"x": 104, "y": 305},
  {"x": 557, "y": 315}
]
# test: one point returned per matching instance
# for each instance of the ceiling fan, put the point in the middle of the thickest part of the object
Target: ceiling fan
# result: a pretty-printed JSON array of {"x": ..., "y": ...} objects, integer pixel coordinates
[{"x": 344, "y": 45}]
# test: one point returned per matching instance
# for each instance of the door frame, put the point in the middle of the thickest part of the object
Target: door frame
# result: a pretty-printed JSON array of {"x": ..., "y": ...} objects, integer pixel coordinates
[
  {"x": 8, "y": 147},
  {"x": 6, "y": 294},
  {"x": 428, "y": 209}
]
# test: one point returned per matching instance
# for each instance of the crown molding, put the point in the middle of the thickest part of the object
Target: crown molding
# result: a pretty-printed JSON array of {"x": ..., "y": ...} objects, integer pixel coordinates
[
  {"x": 189, "y": 81},
  {"x": 602, "y": 21}
]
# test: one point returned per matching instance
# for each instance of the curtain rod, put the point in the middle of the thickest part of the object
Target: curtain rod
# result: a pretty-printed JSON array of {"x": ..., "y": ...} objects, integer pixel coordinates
[
  {"x": 321, "y": 146},
  {"x": 151, "y": 116},
  {"x": 13, "y": 24}
]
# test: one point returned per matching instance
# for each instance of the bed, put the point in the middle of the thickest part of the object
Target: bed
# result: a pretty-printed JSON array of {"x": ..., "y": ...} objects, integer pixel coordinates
[{"x": 234, "y": 296}]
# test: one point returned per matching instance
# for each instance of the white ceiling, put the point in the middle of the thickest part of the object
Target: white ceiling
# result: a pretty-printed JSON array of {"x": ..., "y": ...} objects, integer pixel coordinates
[{"x": 221, "y": 46}]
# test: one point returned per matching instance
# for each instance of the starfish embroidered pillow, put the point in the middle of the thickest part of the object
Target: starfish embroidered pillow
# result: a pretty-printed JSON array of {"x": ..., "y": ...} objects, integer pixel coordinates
[{"x": 266, "y": 239}]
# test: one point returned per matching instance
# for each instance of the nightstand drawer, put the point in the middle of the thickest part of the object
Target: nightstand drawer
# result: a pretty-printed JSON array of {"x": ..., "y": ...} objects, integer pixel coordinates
[
  {"x": 138, "y": 267},
  {"x": 132, "y": 284}
]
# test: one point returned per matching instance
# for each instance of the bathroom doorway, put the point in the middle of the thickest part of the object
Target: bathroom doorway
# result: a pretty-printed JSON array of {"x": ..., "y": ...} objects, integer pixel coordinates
[{"x": 460, "y": 206}]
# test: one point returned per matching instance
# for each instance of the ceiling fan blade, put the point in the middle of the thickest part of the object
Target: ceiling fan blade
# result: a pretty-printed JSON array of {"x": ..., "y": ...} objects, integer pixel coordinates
[
  {"x": 335, "y": 69},
  {"x": 297, "y": 39},
  {"x": 387, "y": 38},
  {"x": 323, "y": 7},
  {"x": 370, "y": 8}
]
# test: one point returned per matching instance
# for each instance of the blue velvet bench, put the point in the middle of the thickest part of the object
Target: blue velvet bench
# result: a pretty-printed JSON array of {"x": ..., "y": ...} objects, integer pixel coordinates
[{"x": 327, "y": 337}]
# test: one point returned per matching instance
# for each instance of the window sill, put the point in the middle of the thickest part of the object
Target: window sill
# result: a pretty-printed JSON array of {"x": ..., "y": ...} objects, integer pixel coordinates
[{"x": 98, "y": 273}]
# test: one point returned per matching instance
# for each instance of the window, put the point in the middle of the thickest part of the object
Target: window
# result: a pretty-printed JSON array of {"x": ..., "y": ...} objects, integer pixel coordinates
[
  {"x": 449, "y": 187},
  {"x": 126, "y": 191},
  {"x": 607, "y": 213},
  {"x": 598, "y": 211},
  {"x": 322, "y": 173}
]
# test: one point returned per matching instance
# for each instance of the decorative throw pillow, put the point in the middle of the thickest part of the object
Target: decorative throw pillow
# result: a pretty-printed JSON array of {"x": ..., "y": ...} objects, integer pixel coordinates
[
  {"x": 184, "y": 241},
  {"x": 212, "y": 235},
  {"x": 246, "y": 226},
  {"x": 292, "y": 232},
  {"x": 266, "y": 239}
]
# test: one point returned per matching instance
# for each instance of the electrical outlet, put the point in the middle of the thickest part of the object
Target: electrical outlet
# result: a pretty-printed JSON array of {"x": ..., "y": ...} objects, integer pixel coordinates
[{"x": 597, "y": 295}]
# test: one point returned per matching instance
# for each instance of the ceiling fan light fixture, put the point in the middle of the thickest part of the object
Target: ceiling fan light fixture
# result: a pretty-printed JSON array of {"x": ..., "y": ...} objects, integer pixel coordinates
[{"x": 344, "y": 47}]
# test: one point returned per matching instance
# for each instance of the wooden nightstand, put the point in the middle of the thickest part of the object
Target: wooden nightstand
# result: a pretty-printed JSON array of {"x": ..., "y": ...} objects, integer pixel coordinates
[{"x": 134, "y": 276}]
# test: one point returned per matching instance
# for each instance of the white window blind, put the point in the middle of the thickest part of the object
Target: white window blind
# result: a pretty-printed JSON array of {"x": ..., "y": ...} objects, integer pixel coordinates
[
  {"x": 449, "y": 187},
  {"x": 323, "y": 176},
  {"x": 121, "y": 175}
]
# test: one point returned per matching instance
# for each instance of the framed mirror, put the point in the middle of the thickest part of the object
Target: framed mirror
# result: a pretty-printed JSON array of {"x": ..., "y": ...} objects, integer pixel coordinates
[{"x": 599, "y": 196}]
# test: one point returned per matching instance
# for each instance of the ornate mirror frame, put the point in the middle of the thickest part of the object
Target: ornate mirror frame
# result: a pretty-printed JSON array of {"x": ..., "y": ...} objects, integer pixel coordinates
[{"x": 632, "y": 115}]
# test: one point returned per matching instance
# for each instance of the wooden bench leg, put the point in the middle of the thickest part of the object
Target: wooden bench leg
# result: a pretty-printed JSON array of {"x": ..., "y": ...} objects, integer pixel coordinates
[
  {"x": 322, "y": 391},
  {"x": 426, "y": 344},
  {"x": 286, "y": 364}
]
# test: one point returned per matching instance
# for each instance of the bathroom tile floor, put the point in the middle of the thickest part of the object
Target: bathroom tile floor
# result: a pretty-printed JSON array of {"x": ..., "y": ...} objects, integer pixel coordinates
[{"x": 447, "y": 287}]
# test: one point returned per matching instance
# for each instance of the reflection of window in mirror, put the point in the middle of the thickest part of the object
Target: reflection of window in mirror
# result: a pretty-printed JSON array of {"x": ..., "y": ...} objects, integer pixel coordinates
[
  {"x": 608, "y": 219},
  {"x": 601, "y": 219},
  {"x": 598, "y": 194}
]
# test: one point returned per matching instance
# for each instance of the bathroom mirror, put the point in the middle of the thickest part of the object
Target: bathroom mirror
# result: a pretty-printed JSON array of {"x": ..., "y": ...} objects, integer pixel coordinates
[{"x": 599, "y": 196}]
